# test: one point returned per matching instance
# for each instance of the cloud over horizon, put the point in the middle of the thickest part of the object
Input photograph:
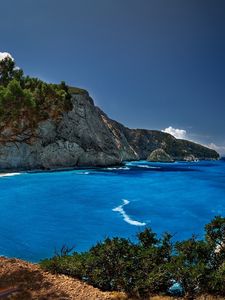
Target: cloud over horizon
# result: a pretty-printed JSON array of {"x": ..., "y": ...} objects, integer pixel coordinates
[
  {"x": 4, "y": 55},
  {"x": 176, "y": 132},
  {"x": 182, "y": 134}
]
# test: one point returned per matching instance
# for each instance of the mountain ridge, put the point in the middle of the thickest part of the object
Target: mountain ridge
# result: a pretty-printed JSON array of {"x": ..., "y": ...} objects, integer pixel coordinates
[{"x": 86, "y": 136}]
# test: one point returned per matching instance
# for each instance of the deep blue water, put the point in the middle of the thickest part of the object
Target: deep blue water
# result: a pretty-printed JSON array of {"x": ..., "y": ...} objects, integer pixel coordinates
[{"x": 39, "y": 212}]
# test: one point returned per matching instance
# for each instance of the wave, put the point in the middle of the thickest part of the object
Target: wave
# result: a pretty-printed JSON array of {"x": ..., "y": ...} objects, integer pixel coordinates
[
  {"x": 120, "y": 168},
  {"x": 9, "y": 174},
  {"x": 126, "y": 218},
  {"x": 148, "y": 167},
  {"x": 84, "y": 172}
]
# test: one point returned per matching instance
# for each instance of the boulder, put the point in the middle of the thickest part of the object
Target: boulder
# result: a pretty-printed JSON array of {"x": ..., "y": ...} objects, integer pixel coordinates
[{"x": 159, "y": 155}]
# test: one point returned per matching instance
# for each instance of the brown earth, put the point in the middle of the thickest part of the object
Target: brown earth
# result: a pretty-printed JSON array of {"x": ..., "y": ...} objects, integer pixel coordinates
[{"x": 33, "y": 283}]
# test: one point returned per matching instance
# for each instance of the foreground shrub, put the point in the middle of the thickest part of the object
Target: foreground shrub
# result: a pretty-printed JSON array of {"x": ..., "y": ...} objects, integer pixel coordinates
[
  {"x": 119, "y": 265},
  {"x": 151, "y": 265}
]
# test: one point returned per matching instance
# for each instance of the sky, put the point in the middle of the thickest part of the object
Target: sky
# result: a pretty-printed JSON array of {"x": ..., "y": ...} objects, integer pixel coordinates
[{"x": 155, "y": 64}]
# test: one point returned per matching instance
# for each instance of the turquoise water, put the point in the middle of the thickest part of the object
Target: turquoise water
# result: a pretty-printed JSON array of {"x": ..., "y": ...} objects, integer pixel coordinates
[{"x": 39, "y": 212}]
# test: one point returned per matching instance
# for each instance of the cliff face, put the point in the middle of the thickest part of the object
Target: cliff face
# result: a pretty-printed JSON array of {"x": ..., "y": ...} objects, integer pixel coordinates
[{"x": 85, "y": 136}]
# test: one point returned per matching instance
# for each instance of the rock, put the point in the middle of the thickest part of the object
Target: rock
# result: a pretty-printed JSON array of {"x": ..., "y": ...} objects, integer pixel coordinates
[
  {"x": 87, "y": 136},
  {"x": 60, "y": 154},
  {"x": 190, "y": 157},
  {"x": 47, "y": 131},
  {"x": 159, "y": 155}
]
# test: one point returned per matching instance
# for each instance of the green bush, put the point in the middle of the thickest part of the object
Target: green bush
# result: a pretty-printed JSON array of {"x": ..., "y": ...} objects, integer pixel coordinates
[
  {"x": 25, "y": 101},
  {"x": 118, "y": 264},
  {"x": 150, "y": 265}
]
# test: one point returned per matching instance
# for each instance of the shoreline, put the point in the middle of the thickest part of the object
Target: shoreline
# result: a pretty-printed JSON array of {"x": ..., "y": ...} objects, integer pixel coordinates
[{"x": 8, "y": 172}]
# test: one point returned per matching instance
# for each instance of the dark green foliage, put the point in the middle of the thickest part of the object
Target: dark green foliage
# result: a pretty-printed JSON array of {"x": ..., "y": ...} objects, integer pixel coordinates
[
  {"x": 7, "y": 67},
  {"x": 14, "y": 97},
  {"x": 25, "y": 101},
  {"x": 75, "y": 90},
  {"x": 17, "y": 107},
  {"x": 215, "y": 237},
  {"x": 118, "y": 264},
  {"x": 147, "y": 238},
  {"x": 9, "y": 71},
  {"x": 151, "y": 265},
  {"x": 190, "y": 266},
  {"x": 215, "y": 232}
]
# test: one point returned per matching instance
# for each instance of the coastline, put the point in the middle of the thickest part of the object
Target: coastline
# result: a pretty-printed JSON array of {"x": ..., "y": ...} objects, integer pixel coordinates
[
  {"x": 8, "y": 265},
  {"x": 18, "y": 171}
]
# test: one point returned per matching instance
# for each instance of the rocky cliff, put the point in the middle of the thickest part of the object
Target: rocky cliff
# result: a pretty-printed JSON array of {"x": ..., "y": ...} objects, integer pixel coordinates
[{"x": 85, "y": 136}]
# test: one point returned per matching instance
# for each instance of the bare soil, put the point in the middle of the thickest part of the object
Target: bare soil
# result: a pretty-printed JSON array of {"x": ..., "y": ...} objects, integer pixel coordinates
[{"x": 34, "y": 283}]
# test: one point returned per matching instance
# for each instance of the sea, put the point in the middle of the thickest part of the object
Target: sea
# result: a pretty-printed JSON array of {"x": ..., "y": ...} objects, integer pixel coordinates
[{"x": 42, "y": 211}]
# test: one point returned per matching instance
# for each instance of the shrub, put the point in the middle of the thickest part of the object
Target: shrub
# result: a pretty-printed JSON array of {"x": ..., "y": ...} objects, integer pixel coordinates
[
  {"x": 25, "y": 101},
  {"x": 119, "y": 265},
  {"x": 151, "y": 265}
]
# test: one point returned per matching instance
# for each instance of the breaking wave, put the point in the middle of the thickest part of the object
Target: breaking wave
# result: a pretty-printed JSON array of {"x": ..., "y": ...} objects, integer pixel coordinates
[
  {"x": 120, "y": 168},
  {"x": 148, "y": 167},
  {"x": 125, "y": 216},
  {"x": 9, "y": 174}
]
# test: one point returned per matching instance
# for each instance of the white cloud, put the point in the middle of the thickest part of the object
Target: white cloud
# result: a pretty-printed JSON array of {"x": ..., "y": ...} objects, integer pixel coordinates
[
  {"x": 4, "y": 55},
  {"x": 182, "y": 134},
  {"x": 177, "y": 133},
  {"x": 219, "y": 149}
]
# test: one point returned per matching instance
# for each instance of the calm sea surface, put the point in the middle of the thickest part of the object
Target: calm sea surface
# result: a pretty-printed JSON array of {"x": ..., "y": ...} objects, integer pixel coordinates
[{"x": 39, "y": 212}]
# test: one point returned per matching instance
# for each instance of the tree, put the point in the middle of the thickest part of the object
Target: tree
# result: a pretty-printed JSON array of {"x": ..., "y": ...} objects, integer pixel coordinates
[
  {"x": 190, "y": 267},
  {"x": 7, "y": 66},
  {"x": 215, "y": 233},
  {"x": 14, "y": 97},
  {"x": 147, "y": 238}
]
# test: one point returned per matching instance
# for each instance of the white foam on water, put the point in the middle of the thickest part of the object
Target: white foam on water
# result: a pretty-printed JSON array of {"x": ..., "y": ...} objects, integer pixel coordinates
[
  {"x": 83, "y": 173},
  {"x": 125, "y": 216},
  {"x": 9, "y": 174},
  {"x": 120, "y": 168},
  {"x": 147, "y": 167}
]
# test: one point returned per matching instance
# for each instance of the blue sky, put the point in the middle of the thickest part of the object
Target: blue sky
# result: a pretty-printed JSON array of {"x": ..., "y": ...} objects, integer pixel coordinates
[{"x": 147, "y": 63}]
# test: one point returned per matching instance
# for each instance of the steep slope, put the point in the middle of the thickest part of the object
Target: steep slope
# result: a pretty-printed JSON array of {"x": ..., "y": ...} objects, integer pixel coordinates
[
  {"x": 143, "y": 142},
  {"x": 86, "y": 136},
  {"x": 146, "y": 141},
  {"x": 34, "y": 283}
]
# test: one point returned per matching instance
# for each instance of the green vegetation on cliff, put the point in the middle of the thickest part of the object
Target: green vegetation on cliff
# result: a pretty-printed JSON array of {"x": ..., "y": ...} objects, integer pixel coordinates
[
  {"x": 151, "y": 265},
  {"x": 25, "y": 101}
]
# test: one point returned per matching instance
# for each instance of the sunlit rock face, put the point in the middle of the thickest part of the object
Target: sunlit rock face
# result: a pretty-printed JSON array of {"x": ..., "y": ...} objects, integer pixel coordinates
[
  {"x": 85, "y": 136},
  {"x": 159, "y": 155}
]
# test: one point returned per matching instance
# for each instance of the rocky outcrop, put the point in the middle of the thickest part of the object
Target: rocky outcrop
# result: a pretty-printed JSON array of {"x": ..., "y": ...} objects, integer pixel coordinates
[
  {"x": 85, "y": 136},
  {"x": 143, "y": 142},
  {"x": 159, "y": 155}
]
